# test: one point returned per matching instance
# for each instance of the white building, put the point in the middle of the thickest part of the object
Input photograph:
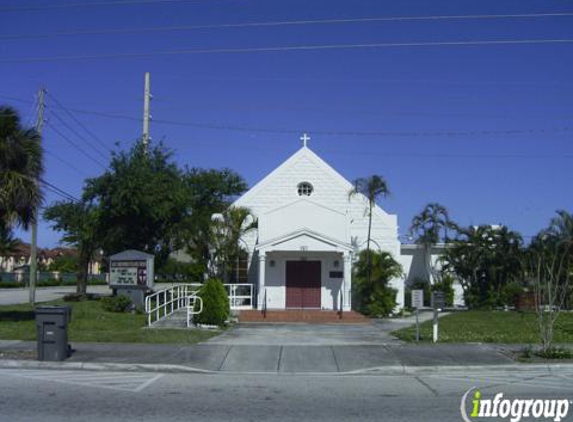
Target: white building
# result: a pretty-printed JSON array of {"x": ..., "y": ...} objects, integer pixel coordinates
[{"x": 309, "y": 230}]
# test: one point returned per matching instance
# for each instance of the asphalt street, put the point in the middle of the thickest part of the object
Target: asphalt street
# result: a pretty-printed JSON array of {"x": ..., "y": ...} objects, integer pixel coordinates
[
  {"x": 50, "y": 396},
  {"x": 44, "y": 294}
]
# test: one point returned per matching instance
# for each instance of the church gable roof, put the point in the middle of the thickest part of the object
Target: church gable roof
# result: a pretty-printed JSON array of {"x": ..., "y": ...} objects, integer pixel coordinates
[
  {"x": 306, "y": 162},
  {"x": 279, "y": 187}
]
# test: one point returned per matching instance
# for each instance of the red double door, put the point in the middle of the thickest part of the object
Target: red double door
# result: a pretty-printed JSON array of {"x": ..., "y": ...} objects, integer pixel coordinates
[{"x": 303, "y": 284}]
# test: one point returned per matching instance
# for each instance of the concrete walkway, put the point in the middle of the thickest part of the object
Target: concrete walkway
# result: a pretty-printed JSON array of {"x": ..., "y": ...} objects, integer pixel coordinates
[
  {"x": 342, "y": 358},
  {"x": 260, "y": 334}
]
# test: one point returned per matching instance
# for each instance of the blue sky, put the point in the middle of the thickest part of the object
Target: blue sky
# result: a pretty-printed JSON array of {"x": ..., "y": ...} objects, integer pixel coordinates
[{"x": 483, "y": 129}]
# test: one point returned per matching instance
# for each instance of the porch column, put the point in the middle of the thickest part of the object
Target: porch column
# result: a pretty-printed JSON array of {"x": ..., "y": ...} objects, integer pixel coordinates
[
  {"x": 261, "y": 288},
  {"x": 347, "y": 283}
]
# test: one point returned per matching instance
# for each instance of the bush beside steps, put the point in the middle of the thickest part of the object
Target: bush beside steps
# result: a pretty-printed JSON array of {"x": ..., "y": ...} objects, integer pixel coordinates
[{"x": 215, "y": 304}]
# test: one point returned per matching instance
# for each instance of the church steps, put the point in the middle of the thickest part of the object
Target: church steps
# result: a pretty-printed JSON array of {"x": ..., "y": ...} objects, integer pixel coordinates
[{"x": 302, "y": 316}]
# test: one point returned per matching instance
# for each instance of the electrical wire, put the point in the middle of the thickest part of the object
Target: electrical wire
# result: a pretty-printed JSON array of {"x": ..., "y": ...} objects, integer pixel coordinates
[
  {"x": 316, "y": 47},
  {"x": 79, "y": 123},
  {"x": 402, "y": 134},
  {"x": 66, "y": 163},
  {"x": 76, "y": 146},
  {"x": 265, "y": 24},
  {"x": 99, "y": 4},
  {"x": 78, "y": 135},
  {"x": 58, "y": 190}
]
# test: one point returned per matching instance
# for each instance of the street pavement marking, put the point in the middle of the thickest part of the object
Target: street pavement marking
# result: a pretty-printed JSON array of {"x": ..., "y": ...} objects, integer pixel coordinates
[
  {"x": 109, "y": 380},
  {"x": 541, "y": 380}
]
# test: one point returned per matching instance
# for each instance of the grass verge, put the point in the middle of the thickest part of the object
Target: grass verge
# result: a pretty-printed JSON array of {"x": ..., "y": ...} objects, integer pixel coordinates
[
  {"x": 490, "y": 327},
  {"x": 91, "y": 323}
]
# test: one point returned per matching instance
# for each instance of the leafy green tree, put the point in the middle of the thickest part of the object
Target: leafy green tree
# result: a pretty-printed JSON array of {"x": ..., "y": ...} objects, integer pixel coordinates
[
  {"x": 210, "y": 192},
  {"x": 373, "y": 272},
  {"x": 178, "y": 271},
  {"x": 484, "y": 260},
  {"x": 372, "y": 187},
  {"x": 81, "y": 225},
  {"x": 21, "y": 165},
  {"x": 429, "y": 228},
  {"x": 142, "y": 202},
  {"x": 64, "y": 264},
  {"x": 228, "y": 232}
]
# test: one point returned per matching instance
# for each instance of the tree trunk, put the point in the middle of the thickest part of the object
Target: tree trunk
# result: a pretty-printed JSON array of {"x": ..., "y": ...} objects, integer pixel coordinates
[{"x": 82, "y": 280}]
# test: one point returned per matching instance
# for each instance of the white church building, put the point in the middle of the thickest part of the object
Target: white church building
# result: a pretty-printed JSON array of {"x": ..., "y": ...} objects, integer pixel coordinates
[{"x": 309, "y": 231}]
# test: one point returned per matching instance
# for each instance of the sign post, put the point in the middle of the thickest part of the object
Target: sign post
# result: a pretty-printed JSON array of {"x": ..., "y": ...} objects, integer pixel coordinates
[
  {"x": 438, "y": 303},
  {"x": 417, "y": 303}
]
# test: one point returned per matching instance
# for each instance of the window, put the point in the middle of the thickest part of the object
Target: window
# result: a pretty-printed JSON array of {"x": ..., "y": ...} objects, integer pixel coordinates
[{"x": 304, "y": 189}]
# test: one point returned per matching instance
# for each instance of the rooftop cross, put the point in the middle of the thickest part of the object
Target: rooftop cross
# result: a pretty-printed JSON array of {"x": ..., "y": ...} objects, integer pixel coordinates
[{"x": 304, "y": 138}]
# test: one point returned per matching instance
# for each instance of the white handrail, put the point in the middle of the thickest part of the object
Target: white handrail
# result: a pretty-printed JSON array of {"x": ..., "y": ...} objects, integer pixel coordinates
[
  {"x": 161, "y": 304},
  {"x": 191, "y": 307}
]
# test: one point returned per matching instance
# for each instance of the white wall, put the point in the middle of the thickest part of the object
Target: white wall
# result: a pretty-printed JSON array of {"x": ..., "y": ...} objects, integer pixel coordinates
[{"x": 413, "y": 264}]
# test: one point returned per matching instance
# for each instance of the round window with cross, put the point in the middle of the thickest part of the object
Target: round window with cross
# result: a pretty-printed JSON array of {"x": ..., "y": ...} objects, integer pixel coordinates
[{"x": 304, "y": 189}]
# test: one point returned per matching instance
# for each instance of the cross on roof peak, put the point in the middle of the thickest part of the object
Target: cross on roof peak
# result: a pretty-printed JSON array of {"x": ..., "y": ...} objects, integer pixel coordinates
[{"x": 304, "y": 138}]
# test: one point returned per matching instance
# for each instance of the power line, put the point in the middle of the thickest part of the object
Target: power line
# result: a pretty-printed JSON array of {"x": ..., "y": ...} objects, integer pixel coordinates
[
  {"x": 59, "y": 191},
  {"x": 98, "y": 4},
  {"x": 412, "y": 134},
  {"x": 385, "y": 154},
  {"x": 82, "y": 151},
  {"x": 79, "y": 123},
  {"x": 66, "y": 163},
  {"x": 81, "y": 137},
  {"x": 318, "y": 47},
  {"x": 155, "y": 29},
  {"x": 408, "y": 134}
]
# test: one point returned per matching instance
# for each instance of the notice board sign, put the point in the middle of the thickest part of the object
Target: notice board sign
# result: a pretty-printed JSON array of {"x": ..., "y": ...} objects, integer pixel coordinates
[
  {"x": 417, "y": 299},
  {"x": 131, "y": 269}
]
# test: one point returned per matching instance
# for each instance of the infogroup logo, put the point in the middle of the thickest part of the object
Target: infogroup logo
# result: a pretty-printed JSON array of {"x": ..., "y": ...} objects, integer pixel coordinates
[{"x": 513, "y": 409}]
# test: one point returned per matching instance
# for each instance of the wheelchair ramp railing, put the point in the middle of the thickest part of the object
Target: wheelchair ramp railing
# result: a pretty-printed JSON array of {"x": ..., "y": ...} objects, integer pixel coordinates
[{"x": 163, "y": 303}]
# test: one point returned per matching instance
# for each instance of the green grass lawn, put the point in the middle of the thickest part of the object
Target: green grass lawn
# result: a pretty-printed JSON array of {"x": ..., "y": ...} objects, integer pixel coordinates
[
  {"x": 90, "y": 323},
  {"x": 490, "y": 327}
]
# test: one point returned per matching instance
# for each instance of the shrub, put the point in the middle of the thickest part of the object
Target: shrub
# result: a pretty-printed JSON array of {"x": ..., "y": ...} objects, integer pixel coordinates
[
  {"x": 10, "y": 285},
  {"x": 555, "y": 353},
  {"x": 116, "y": 303},
  {"x": 215, "y": 304},
  {"x": 375, "y": 298},
  {"x": 510, "y": 294}
]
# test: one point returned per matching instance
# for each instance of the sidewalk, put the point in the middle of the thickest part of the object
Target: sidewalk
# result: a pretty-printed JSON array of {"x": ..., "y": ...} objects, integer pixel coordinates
[{"x": 285, "y": 359}]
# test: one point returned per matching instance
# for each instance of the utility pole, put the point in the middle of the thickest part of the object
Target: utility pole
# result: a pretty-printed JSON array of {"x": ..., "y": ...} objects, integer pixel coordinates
[
  {"x": 34, "y": 241},
  {"x": 146, "y": 114}
]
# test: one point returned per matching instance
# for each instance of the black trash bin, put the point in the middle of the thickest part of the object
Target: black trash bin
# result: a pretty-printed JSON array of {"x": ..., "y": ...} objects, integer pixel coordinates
[{"x": 52, "y": 326}]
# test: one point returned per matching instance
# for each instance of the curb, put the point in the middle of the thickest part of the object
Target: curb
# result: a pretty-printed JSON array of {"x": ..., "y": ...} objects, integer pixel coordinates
[
  {"x": 395, "y": 370},
  {"x": 92, "y": 366}
]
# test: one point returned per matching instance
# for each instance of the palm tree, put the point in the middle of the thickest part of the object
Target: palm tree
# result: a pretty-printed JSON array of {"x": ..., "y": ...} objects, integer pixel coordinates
[
  {"x": 8, "y": 243},
  {"x": 228, "y": 231},
  {"x": 21, "y": 166},
  {"x": 561, "y": 227},
  {"x": 428, "y": 227},
  {"x": 372, "y": 188}
]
